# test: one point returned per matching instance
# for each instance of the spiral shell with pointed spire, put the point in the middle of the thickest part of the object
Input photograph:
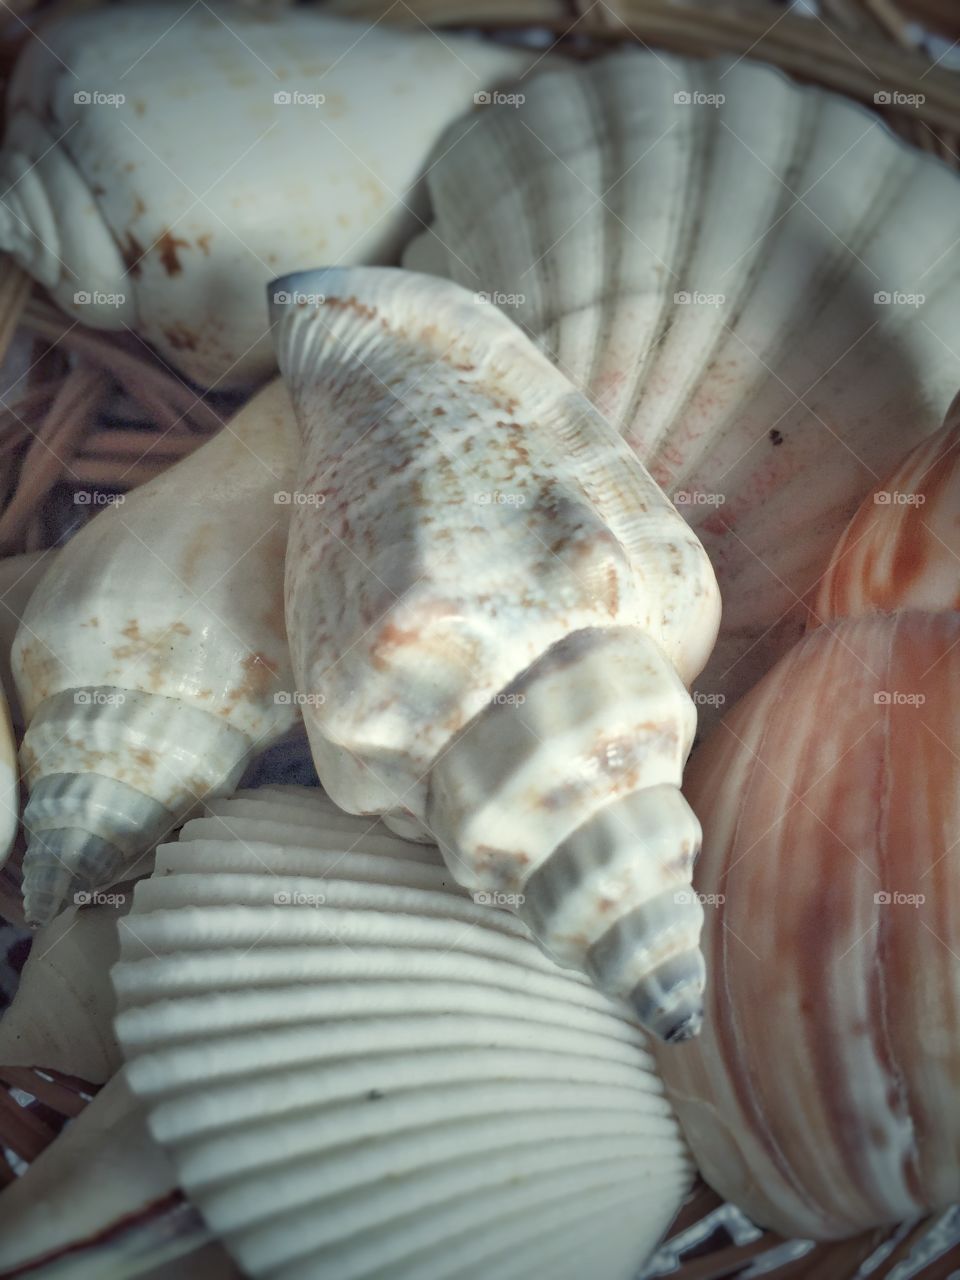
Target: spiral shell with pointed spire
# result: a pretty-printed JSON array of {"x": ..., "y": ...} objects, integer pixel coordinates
[
  {"x": 717, "y": 257},
  {"x": 152, "y": 660},
  {"x": 830, "y": 803},
  {"x": 492, "y": 612},
  {"x": 358, "y": 1072},
  {"x": 313, "y": 126}
]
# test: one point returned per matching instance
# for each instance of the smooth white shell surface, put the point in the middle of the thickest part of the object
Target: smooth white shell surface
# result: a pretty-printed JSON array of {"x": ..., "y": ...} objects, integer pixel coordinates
[
  {"x": 315, "y": 131},
  {"x": 357, "y": 1071},
  {"x": 756, "y": 283}
]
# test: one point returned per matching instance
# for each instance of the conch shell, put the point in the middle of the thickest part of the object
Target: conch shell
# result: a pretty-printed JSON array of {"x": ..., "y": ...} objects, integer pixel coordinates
[
  {"x": 717, "y": 258},
  {"x": 822, "y": 1096},
  {"x": 315, "y": 131},
  {"x": 152, "y": 660},
  {"x": 359, "y": 1072},
  {"x": 493, "y": 611}
]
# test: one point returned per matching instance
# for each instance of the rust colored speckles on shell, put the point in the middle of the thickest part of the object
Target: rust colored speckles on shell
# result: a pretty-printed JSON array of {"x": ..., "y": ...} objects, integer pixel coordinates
[
  {"x": 200, "y": 541},
  {"x": 259, "y": 674},
  {"x": 132, "y": 253},
  {"x": 167, "y": 245},
  {"x": 352, "y": 304},
  {"x": 39, "y": 668},
  {"x": 181, "y": 338}
]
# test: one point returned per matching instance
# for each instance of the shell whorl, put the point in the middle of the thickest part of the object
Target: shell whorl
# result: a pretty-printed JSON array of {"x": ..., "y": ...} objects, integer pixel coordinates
[
  {"x": 151, "y": 659},
  {"x": 471, "y": 541}
]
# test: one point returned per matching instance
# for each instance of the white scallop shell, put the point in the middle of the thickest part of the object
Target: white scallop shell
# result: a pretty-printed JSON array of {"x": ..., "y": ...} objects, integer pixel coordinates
[
  {"x": 492, "y": 611},
  {"x": 314, "y": 134},
  {"x": 358, "y": 1071},
  {"x": 734, "y": 283},
  {"x": 152, "y": 660}
]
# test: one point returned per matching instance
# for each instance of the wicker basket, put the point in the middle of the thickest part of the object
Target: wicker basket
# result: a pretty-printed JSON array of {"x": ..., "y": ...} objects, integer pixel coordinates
[{"x": 116, "y": 415}]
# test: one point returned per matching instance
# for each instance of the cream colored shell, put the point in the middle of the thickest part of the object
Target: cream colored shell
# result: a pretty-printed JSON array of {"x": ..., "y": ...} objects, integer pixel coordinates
[
  {"x": 357, "y": 1071},
  {"x": 152, "y": 660},
  {"x": 162, "y": 161},
  {"x": 492, "y": 612}
]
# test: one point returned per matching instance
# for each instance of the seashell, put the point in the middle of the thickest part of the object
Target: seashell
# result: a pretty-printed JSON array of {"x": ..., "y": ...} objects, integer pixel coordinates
[
  {"x": 492, "y": 612},
  {"x": 830, "y": 847},
  {"x": 433, "y": 1097},
  {"x": 102, "y": 1200},
  {"x": 132, "y": 218},
  {"x": 717, "y": 257},
  {"x": 902, "y": 549},
  {"x": 61, "y": 1018},
  {"x": 152, "y": 661}
]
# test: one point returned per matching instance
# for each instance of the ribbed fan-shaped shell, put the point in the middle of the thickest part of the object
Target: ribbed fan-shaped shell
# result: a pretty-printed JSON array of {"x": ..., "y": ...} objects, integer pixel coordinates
[
  {"x": 755, "y": 282},
  {"x": 822, "y": 1096},
  {"x": 359, "y": 1072}
]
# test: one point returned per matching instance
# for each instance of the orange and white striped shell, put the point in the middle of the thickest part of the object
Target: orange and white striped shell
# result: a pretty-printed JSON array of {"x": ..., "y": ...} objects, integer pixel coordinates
[{"x": 823, "y": 1096}]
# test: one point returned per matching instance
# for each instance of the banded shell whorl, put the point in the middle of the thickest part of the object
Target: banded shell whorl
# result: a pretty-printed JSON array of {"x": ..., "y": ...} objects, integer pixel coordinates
[
  {"x": 359, "y": 1072},
  {"x": 716, "y": 256},
  {"x": 492, "y": 613},
  {"x": 822, "y": 1097},
  {"x": 152, "y": 661},
  {"x": 902, "y": 549}
]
